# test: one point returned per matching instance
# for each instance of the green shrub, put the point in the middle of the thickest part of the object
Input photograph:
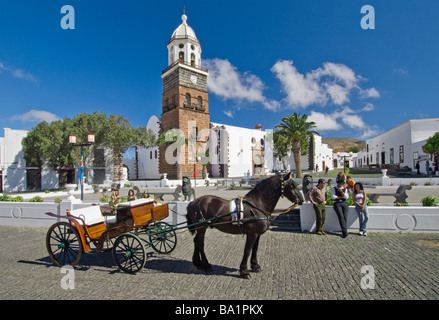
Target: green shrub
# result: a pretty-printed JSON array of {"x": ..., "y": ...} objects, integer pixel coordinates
[
  {"x": 104, "y": 198},
  {"x": 17, "y": 199},
  {"x": 5, "y": 197},
  {"x": 401, "y": 204},
  {"x": 36, "y": 199},
  {"x": 429, "y": 201},
  {"x": 58, "y": 200}
]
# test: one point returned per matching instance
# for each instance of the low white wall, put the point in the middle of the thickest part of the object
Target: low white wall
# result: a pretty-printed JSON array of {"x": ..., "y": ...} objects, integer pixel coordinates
[
  {"x": 381, "y": 218},
  {"x": 33, "y": 214}
]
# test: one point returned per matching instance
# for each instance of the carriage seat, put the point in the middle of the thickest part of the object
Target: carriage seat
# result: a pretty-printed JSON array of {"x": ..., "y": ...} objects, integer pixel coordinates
[{"x": 91, "y": 215}]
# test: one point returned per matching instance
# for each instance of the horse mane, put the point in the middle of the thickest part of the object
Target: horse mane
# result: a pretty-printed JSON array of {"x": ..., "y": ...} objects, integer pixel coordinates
[{"x": 264, "y": 187}]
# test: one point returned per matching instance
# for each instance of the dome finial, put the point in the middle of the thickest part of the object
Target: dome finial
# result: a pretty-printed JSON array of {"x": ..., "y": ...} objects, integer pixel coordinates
[{"x": 184, "y": 17}]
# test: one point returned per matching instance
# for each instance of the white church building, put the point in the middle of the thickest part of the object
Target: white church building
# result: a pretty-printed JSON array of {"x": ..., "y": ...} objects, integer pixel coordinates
[{"x": 400, "y": 146}]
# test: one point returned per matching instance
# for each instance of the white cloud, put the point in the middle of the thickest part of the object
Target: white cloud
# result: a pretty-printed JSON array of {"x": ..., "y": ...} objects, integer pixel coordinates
[
  {"x": 324, "y": 122},
  {"x": 368, "y": 107},
  {"x": 228, "y": 113},
  {"x": 342, "y": 119},
  {"x": 301, "y": 90},
  {"x": 400, "y": 70},
  {"x": 332, "y": 83},
  {"x": 18, "y": 73},
  {"x": 369, "y": 93},
  {"x": 36, "y": 116},
  {"x": 227, "y": 82}
]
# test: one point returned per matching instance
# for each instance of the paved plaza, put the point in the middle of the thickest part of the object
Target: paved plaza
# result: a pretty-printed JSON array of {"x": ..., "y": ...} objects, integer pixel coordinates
[{"x": 294, "y": 266}]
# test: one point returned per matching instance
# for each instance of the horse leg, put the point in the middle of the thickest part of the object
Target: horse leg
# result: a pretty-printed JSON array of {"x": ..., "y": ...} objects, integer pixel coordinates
[
  {"x": 243, "y": 271},
  {"x": 254, "y": 260},
  {"x": 199, "y": 258}
]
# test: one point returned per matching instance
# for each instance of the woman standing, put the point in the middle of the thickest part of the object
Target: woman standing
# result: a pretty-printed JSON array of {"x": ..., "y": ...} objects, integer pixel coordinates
[
  {"x": 359, "y": 197},
  {"x": 339, "y": 194}
]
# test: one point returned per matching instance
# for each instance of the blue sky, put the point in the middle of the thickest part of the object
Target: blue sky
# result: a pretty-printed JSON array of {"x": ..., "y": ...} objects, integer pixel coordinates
[{"x": 277, "y": 57}]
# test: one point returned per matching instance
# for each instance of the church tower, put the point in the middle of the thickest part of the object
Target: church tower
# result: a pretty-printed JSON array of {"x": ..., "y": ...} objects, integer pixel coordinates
[{"x": 185, "y": 104}]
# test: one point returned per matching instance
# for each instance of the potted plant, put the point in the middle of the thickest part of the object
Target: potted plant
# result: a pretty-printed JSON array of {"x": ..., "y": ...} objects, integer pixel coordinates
[{"x": 429, "y": 201}]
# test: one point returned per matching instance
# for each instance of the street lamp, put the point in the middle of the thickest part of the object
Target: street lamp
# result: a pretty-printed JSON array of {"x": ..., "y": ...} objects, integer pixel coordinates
[
  {"x": 344, "y": 160},
  {"x": 90, "y": 141}
]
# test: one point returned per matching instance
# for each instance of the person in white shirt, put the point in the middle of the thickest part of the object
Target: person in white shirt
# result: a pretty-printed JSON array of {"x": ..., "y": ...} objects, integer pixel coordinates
[
  {"x": 360, "y": 199},
  {"x": 339, "y": 194}
]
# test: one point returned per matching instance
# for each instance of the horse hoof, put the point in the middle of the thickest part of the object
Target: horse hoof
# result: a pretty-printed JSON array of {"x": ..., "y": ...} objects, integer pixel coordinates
[
  {"x": 257, "y": 269},
  {"x": 245, "y": 276}
]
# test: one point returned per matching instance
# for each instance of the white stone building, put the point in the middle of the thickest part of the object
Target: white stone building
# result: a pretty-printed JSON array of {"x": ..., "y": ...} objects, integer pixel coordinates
[
  {"x": 17, "y": 176},
  {"x": 400, "y": 146},
  {"x": 318, "y": 154}
]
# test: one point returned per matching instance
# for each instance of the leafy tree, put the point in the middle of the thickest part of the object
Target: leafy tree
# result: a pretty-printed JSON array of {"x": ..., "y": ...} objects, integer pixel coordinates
[
  {"x": 49, "y": 142},
  {"x": 281, "y": 148},
  {"x": 296, "y": 131},
  {"x": 432, "y": 146}
]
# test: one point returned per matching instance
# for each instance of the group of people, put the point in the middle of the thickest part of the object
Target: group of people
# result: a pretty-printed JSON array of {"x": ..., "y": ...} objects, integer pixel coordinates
[
  {"x": 114, "y": 199},
  {"x": 339, "y": 194}
]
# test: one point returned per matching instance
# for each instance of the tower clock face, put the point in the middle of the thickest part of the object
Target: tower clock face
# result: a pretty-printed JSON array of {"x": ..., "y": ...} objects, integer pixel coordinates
[{"x": 194, "y": 79}]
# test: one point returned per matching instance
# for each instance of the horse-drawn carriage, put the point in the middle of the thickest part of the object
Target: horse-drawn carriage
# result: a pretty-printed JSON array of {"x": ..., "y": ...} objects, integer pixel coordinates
[
  {"x": 134, "y": 226},
  {"x": 138, "y": 225}
]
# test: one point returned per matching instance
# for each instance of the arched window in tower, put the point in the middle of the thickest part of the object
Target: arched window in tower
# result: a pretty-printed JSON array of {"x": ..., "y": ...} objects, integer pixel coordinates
[
  {"x": 193, "y": 59},
  {"x": 199, "y": 103},
  {"x": 187, "y": 101},
  {"x": 181, "y": 56}
]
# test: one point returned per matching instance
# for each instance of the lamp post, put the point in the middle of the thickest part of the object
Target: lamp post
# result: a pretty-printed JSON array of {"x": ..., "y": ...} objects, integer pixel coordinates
[
  {"x": 90, "y": 141},
  {"x": 344, "y": 160}
]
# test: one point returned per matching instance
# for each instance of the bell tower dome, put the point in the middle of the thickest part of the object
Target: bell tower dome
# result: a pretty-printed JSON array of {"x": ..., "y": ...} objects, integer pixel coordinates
[
  {"x": 185, "y": 101},
  {"x": 184, "y": 45}
]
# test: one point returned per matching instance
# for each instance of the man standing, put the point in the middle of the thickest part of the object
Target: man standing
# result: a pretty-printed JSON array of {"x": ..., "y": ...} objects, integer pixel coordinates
[{"x": 318, "y": 198}]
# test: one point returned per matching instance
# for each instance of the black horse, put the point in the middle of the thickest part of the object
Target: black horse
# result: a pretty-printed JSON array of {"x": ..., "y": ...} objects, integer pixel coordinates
[{"x": 258, "y": 204}]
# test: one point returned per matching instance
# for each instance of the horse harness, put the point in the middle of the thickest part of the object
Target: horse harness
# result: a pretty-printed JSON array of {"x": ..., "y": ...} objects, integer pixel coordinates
[{"x": 237, "y": 216}]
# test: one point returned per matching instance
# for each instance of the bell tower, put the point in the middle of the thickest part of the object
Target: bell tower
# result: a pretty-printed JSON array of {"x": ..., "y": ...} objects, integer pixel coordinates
[{"x": 185, "y": 104}]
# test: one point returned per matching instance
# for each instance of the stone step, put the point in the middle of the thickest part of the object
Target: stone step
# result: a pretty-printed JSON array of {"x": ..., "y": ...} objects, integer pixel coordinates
[{"x": 289, "y": 221}]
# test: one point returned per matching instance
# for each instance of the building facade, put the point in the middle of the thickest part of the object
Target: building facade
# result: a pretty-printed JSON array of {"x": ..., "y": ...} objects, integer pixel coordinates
[
  {"x": 18, "y": 176},
  {"x": 185, "y": 103},
  {"x": 401, "y": 146}
]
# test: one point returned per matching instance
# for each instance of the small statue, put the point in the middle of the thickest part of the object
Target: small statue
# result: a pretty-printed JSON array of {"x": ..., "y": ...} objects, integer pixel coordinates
[
  {"x": 307, "y": 185},
  {"x": 187, "y": 189}
]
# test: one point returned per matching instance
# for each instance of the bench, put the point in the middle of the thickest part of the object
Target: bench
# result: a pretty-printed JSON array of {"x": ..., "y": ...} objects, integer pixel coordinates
[
  {"x": 92, "y": 220},
  {"x": 400, "y": 194},
  {"x": 161, "y": 192}
]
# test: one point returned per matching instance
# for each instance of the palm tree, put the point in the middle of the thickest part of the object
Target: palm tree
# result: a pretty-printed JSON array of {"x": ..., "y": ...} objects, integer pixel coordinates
[{"x": 296, "y": 130}]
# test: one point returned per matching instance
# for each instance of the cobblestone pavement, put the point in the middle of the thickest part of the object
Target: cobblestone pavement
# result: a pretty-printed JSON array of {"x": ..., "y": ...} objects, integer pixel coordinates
[{"x": 294, "y": 266}]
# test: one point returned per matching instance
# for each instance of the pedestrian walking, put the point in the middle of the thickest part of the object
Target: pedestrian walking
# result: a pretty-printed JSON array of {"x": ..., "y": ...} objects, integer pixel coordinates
[
  {"x": 339, "y": 194},
  {"x": 427, "y": 167},
  {"x": 360, "y": 199},
  {"x": 418, "y": 167},
  {"x": 318, "y": 198}
]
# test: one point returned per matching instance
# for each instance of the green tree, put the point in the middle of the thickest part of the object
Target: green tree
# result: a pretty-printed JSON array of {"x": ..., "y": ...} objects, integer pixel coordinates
[
  {"x": 49, "y": 142},
  {"x": 281, "y": 148},
  {"x": 296, "y": 131},
  {"x": 432, "y": 146}
]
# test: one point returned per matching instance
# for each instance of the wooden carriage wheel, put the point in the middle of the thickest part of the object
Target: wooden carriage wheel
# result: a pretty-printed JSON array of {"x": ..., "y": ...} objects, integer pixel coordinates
[
  {"x": 162, "y": 237},
  {"x": 64, "y": 244},
  {"x": 129, "y": 253}
]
